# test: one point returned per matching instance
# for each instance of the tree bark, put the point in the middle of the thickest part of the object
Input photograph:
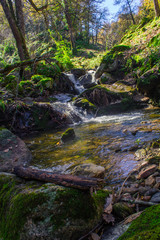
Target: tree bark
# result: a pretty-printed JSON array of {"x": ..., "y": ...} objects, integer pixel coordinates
[
  {"x": 130, "y": 10},
  {"x": 18, "y": 35},
  {"x": 60, "y": 179},
  {"x": 157, "y": 8},
  {"x": 70, "y": 25}
]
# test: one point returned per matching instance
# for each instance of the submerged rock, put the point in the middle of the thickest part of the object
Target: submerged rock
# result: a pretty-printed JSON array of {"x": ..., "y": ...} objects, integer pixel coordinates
[
  {"x": 31, "y": 210},
  {"x": 13, "y": 151},
  {"x": 68, "y": 135},
  {"x": 89, "y": 170}
]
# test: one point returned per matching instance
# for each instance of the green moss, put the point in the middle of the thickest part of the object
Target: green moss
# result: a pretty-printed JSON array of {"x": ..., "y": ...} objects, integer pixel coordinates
[
  {"x": 15, "y": 206},
  {"x": 100, "y": 197},
  {"x": 145, "y": 227},
  {"x": 48, "y": 70},
  {"x": 121, "y": 210},
  {"x": 69, "y": 134},
  {"x": 120, "y": 48},
  {"x": 79, "y": 204}
]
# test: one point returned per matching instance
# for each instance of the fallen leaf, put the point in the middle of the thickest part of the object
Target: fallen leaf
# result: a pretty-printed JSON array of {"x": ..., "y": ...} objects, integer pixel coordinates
[
  {"x": 108, "y": 209},
  {"x": 108, "y": 218},
  {"x": 132, "y": 217},
  {"x": 95, "y": 236},
  {"x": 6, "y": 150},
  {"x": 108, "y": 206}
]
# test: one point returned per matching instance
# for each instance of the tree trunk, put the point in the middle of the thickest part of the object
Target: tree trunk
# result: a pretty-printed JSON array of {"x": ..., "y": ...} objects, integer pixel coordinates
[
  {"x": 70, "y": 25},
  {"x": 157, "y": 8},
  {"x": 60, "y": 179},
  {"x": 18, "y": 35},
  {"x": 130, "y": 10}
]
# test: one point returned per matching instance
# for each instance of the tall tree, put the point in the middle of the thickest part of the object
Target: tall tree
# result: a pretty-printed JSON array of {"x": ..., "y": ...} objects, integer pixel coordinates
[
  {"x": 16, "y": 23},
  {"x": 126, "y": 7},
  {"x": 157, "y": 8}
]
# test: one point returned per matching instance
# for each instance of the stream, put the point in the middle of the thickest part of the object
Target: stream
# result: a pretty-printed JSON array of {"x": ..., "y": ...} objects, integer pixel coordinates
[{"x": 110, "y": 141}]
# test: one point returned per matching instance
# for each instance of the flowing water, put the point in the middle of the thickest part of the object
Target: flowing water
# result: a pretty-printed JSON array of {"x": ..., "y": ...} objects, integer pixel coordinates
[{"x": 108, "y": 141}]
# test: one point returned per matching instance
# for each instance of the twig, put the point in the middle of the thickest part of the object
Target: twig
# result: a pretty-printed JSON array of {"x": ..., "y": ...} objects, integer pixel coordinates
[
  {"x": 99, "y": 226},
  {"x": 139, "y": 202}
]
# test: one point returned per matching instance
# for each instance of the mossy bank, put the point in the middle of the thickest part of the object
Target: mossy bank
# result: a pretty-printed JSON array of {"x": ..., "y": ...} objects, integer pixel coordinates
[{"x": 31, "y": 210}]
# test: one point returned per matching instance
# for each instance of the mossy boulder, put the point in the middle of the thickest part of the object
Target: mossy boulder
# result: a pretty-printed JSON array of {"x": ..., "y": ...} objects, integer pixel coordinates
[
  {"x": 13, "y": 151},
  {"x": 113, "y": 62},
  {"x": 85, "y": 105},
  {"x": 149, "y": 84},
  {"x": 100, "y": 96},
  {"x": 68, "y": 135},
  {"x": 122, "y": 210},
  {"x": 31, "y": 210},
  {"x": 145, "y": 227}
]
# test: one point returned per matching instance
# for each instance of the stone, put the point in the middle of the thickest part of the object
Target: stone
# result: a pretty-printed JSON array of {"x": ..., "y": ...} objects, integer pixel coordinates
[
  {"x": 107, "y": 78},
  {"x": 78, "y": 72},
  {"x": 151, "y": 192},
  {"x": 150, "y": 181},
  {"x": 88, "y": 80},
  {"x": 68, "y": 135},
  {"x": 140, "y": 153},
  {"x": 145, "y": 172},
  {"x": 13, "y": 151},
  {"x": 146, "y": 198},
  {"x": 157, "y": 179},
  {"x": 122, "y": 210},
  {"x": 46, "y": 211},
  {"x": 89, "y": 170},
  {"x": 156, "y": 198}
]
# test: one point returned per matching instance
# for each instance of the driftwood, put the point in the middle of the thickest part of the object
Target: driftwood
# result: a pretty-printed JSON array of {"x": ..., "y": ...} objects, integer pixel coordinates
[
  {"x": 66, "y": 180},
  {"x": 9, "y": 68}
]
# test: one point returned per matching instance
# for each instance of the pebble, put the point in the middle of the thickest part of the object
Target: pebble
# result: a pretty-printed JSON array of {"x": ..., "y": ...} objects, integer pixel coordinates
[
  {"x": 146, "y": 172},
  {"x": 156, "y": 198}
]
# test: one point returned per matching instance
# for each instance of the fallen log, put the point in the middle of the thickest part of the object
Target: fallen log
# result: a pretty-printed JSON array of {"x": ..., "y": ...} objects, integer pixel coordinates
[
  {"x": 66, "y": 180},
  {"x": 9, "y": 68}
]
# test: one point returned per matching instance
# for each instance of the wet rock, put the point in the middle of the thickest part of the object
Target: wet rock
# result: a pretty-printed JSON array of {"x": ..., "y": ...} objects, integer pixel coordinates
[
  {"x": 46, "y": 211},
  {"x": 150, "y": 192},
  {"x": 68, "y": 135},
  {"x": 156, "y": 198},
  {"x": 140, "y": 153},
  {"x": 144, "y": 173},
  {"x": 65, "y": 84},
  {"x": 150, "y": 181},
  {"x": 107, "y": 78},
  {"x": 122, "y": 210},
  {"x": 88, "y": 80},
  {"x": 13, "y": 151},
  {"x": 78, "y": 72},
  {"x": 89, "y": 170}
]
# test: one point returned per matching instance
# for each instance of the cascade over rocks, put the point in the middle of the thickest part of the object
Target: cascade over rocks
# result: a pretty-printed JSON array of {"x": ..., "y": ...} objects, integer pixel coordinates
[
  {"x": 65, "y": 85},
  {"x": 88, "y": 80}
]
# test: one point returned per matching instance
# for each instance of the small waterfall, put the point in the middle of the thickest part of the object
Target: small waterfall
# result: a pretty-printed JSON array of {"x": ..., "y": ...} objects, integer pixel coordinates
[
  {"x": 74, "y": 114},
  {"x": 77, "y": 85}
]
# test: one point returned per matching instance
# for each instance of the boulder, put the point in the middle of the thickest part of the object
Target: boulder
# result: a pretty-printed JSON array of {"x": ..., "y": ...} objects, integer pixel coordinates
[
  {"x": 65, "y": 84},
  {"x": 149, "y": 84},
  {"x": 78, "y": 72},
  {"x": 89, "y": 170},
  {"x": 13, "y": 151},
  {"x": 68, "y": 135},
  {"x": 88, "y": 80},
  {"x": 32, "y": 210},
  {"x": 107, "y": 78}
]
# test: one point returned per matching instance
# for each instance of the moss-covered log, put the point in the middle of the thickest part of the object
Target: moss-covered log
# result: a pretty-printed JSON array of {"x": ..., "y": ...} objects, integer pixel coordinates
[{"x": 66, "y": 180}]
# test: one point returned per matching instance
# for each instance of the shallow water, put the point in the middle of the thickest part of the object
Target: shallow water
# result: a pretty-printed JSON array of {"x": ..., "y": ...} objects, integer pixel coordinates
[{"x": 107, "y": 141}]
